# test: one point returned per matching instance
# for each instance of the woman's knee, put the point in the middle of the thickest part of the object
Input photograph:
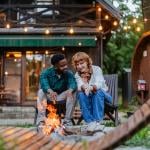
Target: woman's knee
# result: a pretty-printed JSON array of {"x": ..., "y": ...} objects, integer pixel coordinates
[{"x": 99, "y": 93}]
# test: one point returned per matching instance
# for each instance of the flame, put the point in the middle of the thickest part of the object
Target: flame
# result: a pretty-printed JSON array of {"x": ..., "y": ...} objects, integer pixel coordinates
[{"x": 52, "y": 122}]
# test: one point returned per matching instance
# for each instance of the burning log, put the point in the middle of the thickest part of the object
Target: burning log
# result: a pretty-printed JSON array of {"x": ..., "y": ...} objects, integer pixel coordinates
[{"x": 53, "y": 124}]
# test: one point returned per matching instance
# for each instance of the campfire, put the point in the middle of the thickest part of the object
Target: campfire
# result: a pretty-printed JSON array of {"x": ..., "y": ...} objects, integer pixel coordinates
[
  {"x": 54, "y": 125},
  {"x": 52, "y": 122}
]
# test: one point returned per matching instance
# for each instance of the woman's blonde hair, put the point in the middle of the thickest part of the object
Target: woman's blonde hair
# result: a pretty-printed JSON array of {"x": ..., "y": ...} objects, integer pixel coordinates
[{"x": 81, "y": 56}]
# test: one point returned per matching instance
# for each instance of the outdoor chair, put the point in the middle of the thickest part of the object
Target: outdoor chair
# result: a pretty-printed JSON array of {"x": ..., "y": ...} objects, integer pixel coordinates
[{"x": 111, "y": 110}]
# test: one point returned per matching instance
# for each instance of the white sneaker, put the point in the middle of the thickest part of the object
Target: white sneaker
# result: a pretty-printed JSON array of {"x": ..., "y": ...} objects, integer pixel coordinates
[
  {"x": 67, "y": 122},
  {"x": 91, "y": 126},
  {"x": 99, "y": 126}
]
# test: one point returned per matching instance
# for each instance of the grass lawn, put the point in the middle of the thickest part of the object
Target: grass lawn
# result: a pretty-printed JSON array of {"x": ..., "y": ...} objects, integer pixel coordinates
[{"x": 141, "y": 138}]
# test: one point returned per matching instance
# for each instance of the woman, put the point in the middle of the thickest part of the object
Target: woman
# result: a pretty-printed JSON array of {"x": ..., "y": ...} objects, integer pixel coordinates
[{"x": 92, "y": 90}]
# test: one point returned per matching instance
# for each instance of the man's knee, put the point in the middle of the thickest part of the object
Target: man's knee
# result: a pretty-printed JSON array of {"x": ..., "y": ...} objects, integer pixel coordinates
[{"x": 40, "y": 93}]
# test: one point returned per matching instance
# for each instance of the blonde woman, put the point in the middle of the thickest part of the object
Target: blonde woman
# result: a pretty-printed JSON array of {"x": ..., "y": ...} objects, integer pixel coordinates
[{"x": 91, "y": 90}]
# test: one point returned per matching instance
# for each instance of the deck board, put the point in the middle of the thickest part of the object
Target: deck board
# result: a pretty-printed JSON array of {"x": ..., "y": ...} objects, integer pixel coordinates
[
  {"x": 27, "y": 143},
  {"x": 28, "y": 139}
]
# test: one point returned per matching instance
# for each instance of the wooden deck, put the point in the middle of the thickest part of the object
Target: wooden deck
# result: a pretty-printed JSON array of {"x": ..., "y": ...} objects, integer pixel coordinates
[{"x": 28, "y": 139}]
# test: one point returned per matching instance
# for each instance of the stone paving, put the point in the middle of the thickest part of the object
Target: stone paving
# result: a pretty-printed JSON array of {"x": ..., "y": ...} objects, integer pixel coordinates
[{"x": 79, "y": 133}]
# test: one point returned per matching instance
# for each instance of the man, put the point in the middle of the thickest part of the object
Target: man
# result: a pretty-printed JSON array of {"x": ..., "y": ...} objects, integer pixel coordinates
[{"x": 57, "y": 84}]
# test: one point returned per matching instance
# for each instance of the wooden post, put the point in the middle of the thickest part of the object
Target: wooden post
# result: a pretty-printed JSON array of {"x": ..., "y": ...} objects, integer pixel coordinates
[
  {"x": 100, "y": 37},
  {"x": 101, "y": 50}
]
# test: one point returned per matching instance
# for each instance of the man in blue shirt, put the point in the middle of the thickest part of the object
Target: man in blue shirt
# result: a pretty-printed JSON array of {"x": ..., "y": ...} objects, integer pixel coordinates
[{"x": 57, "y": 84}]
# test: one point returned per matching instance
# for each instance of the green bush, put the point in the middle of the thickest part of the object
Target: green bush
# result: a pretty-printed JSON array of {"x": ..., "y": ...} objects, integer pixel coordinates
[{"x": 141, "y": 138}]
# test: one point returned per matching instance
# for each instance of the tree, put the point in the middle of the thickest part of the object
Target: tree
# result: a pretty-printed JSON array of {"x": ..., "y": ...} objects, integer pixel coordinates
[{"x": 119, "y": 50}]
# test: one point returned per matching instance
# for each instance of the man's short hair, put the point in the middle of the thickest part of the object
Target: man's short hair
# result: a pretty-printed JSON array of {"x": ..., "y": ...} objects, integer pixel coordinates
[{"x": 56, "y": 58}]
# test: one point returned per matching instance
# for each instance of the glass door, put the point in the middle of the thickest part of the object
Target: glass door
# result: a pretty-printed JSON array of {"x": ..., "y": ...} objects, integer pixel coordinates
[{"x": 12, "y": 77}]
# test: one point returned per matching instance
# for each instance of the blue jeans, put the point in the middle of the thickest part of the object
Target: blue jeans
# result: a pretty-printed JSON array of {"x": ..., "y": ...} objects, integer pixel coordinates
[{"x": 92, "y": 106}]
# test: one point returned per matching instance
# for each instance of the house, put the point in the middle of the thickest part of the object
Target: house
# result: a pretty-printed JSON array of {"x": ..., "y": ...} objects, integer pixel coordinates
[{"x": 32, "y": 31}]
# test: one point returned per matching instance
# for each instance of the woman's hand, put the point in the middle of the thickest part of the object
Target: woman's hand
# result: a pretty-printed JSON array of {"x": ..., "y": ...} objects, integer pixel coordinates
[
  {"x": 93, "y": 88},
  {"x": 86, "y": 89}
]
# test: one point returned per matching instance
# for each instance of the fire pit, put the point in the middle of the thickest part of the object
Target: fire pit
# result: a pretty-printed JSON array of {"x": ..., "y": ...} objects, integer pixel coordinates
[{"x": 55, "y": 129}]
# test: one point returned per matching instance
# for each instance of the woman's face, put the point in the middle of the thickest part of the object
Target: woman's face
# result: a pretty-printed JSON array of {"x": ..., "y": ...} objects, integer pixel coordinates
[{"x": 81, "y": 66}]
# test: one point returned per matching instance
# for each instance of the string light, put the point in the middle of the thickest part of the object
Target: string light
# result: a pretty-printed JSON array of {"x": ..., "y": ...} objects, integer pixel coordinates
[
  {"x": 47, "y": 31},
  {"x": 138, "y": 29},
  {"x": 71, "y": 31},
  {"x": 8, "y": 26},
  {"x": 134, "y": 21},
  {"x": 6, "y": 73},
  {"x": 99, "y": 9},
  {"x": 115, "y": 23},
  {"x": 129, "y": 27},
  {"x": 46, "y": 52},
  {"x": 106, "y": 17},
  {"x": 79, "y": 43},
  {"x": 25, "y": 29},
  {"x": 125, "y": 28},
  {"x": 145, "y": 19},
  {"x": 63, "y": 48},
  {"x": 100, "y": 28}
]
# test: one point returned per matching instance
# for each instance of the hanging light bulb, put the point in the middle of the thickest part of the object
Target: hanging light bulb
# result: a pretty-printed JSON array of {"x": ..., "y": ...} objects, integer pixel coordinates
[
  {"x": 25, "y": 29},
  {"x": 125, "y": 28},
  {"x": 99, "y": 9},
  {"x": 8, "y": 26},
  {"x": 129, "y": 27},
  {"x": 63, "y": 48},
  {"x": 6, "y": 73},
  {"x": 47, "y": 31},
  {"x": 145, "y": 19},
  {"x": 100, "y": 28},
  {"x": 134, "y": 21},
  {"x": 71, "y": 31},
  {"x": 138, "y": 29},
  {"x": 79, "y": 43},
  {"x": 115, "y": 23},
  {"x": 106, "y": 17},
  {"x": 46, "y": 52}
]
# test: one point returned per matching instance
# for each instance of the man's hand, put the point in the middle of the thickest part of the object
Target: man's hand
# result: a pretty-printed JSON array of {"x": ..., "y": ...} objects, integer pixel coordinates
[
  {"x": 69, "y": 93},
  {"x": 52, "y": 95}
]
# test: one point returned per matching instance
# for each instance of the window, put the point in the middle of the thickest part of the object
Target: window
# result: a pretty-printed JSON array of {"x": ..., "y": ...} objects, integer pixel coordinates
[
  {"x": 12, "y": 76},
  {"x": 35, "y": 63}
]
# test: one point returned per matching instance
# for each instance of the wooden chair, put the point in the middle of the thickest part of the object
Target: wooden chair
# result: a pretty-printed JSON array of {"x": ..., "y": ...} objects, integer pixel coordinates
[{"x": 111, "y": 110}]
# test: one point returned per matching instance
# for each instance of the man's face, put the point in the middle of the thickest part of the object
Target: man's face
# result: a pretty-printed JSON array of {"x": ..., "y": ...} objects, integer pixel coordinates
[
  {"x": 81, "y": 66},
  {"x": 62, "y": 65}
]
